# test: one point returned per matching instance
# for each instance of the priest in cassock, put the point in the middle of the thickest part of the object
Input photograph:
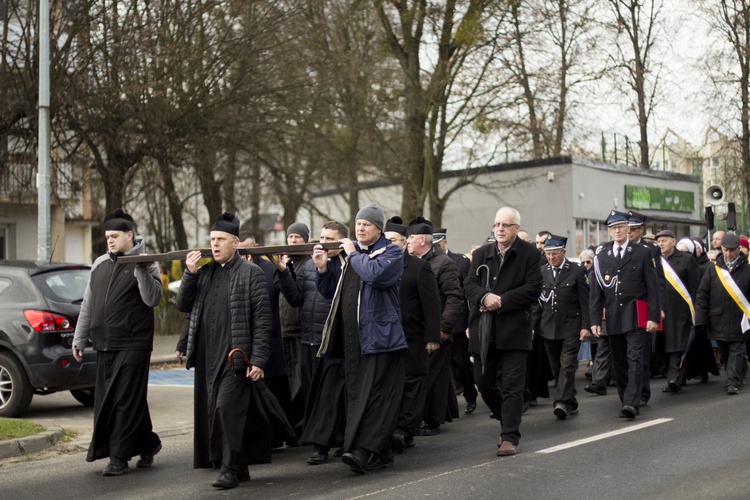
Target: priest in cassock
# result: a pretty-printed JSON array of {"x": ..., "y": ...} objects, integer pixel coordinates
[
  {"x": 364, "y": 327},
  {"x": 229, "y": 309}
]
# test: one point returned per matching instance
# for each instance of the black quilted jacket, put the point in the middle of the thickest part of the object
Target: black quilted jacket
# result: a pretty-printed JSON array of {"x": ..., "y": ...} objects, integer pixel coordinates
[{"x": 249, "y": 307}]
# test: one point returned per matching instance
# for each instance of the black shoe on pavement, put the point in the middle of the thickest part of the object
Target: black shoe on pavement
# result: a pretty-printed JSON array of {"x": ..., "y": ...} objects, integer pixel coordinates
[
  {"x": 244, "y": 474},
  {"x": 431, "y": 430},
  {"x": 147, "y": 460},
  {"x": 732, "y": 390},
  {"x": 116, "y": 467},
  {"x": 628, "y": 411},
  {"x": 318, "y": 458},
  {"x": 673, "y": 386},
  {"x": 561, "y": 413},
  {"x": 470, "y": 407},
  {"x": 226, "y": 481},
  {"x": 356, "y": 460},
  {"x": 596, "y": 389},
  {"x": 338, "y": 453},
  {"x": 399, "y": 443}
]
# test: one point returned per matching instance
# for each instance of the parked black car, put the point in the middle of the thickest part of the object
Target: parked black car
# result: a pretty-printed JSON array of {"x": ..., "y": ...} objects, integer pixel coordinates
[{"x": 39, "y": 307}]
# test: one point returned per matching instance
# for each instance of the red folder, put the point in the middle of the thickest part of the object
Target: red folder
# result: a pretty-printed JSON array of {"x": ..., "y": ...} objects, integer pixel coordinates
[{"x": 641, "y": 307}]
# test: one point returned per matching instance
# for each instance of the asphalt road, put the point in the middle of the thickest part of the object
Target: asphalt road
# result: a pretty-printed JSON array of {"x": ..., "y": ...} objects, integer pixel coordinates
[{"x": 692, "y": 445}]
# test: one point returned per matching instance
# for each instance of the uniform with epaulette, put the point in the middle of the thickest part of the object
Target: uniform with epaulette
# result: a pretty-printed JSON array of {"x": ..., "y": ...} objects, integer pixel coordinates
[
  {"x": 564, "y": 320},
  {"x": 625, "y": 274}
]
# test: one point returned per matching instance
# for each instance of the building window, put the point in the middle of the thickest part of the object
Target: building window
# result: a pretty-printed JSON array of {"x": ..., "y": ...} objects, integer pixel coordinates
[{"x": 589, "y": 233}]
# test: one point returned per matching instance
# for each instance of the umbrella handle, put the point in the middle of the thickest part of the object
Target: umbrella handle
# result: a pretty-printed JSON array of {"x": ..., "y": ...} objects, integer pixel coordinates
[{"x": 237, "y": 349}]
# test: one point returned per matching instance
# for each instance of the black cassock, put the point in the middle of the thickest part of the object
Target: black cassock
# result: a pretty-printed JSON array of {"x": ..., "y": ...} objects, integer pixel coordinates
[
  {"x": 122, "y": 423},
  {"x": 231, "y": 428},
  {"x": 374, "y": 382}
]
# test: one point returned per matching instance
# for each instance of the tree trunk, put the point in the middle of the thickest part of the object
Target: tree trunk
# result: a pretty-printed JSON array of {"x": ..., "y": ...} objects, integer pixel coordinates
[
  {"x": 211, "y": 189},
  {"x": 175, "y": 207}
]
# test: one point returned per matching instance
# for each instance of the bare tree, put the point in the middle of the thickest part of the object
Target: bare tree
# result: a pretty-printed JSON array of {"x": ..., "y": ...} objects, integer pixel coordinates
[{"x": 636, "y": 29}]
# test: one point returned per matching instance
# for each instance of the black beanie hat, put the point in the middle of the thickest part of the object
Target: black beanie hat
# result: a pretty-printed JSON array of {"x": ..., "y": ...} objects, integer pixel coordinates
[
  {"x": 118, "y": 221},
  {"x": 299, "y": 228},
  {"x": 228, "y": 223}
]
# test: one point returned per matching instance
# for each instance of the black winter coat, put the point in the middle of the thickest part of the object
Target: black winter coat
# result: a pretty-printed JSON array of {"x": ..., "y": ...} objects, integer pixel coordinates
[
  {"x": 303, "y": 292},
  {"x": 677, "y": 317},
  {"x": 449, "y": 287},
  {"x": 463, "y": 266},
  {"x": 420, "y": 312},
  {"x": 519, "y": 283},
  {"x": 715, "y": 309},
  {"x": 249, "y": 308}
]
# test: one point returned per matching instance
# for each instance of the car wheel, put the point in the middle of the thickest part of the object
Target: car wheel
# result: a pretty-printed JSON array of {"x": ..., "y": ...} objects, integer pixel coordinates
[
  {"x": 84, "y": 396},
  {"x": 15, "y": 389}
]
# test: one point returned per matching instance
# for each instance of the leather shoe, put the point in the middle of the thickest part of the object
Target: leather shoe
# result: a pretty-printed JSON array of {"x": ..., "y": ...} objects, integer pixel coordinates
[
  {"x": 628, "y": 411},
  {"x": 244, "y": 474},
  {"x": 317, "y": 458},
  {"x": 399, "y": 443},
  {"x": 431, "y": 430},
  {"x": 507, "y": 449},
  {"x": 147, "y": 460},
  {"x": 226, "y": 480},
  {"x": 732, "y": 390},
  {"x": 596, "y": 389},
  {"x": 115, "y": 467},
  {"x": 356, "y": 460},
  {"x": 470, "y": 407},
  {"x": 560, "y": 411},
  {"x": 674, "y": 386}
]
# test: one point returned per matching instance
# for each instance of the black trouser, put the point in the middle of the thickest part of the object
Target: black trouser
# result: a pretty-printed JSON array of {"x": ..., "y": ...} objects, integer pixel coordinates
[
  {"x": 627, "y": 358},
  {"x": 601, "y": 371},
  {"x": 501, "y": 387},
  {"x": 733, "y": 355},
  {"x": 563, "y": 358},
  {"x": 676, "y": 372},
  {"x": 412, "y": 403}
]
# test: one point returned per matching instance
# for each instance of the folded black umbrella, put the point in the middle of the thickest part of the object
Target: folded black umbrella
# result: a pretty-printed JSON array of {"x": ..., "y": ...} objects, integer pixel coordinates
[{"x": 269, "y": 408}]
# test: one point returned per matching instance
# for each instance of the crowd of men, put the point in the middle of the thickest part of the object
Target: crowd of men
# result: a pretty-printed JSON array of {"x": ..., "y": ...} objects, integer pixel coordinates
[{"x": 361, "y": 348}]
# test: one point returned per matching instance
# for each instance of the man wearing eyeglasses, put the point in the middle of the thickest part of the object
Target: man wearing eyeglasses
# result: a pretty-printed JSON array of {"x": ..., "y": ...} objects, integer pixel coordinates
[
  {"x": 504, "y": 281},
  {"x": 625, "y": 274}
]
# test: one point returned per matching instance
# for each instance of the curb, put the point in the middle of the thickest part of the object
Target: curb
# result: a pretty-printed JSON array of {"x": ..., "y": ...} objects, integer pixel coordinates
[{"x": 30, "y": 444}]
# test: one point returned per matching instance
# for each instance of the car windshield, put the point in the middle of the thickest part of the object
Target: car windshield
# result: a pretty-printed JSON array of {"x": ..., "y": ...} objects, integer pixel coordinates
[{"x": 63, "y": 285}]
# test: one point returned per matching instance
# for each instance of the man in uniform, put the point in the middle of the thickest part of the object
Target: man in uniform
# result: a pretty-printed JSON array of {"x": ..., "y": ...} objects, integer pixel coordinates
[
  {"x": 504, "y": 281},
  {"x": 117, "y": 314},
  {"x": 681, "y": 272},
  {"x": 420, "y": 313},
  {"x": 229, "y": 309},
  {"x": 564, "y": 321},
  {"x": 625, "y": 276},
  {"x": 722, "y": 308}
]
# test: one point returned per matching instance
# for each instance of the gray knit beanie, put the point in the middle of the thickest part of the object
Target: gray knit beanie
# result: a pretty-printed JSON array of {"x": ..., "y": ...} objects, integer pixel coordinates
[
  {"x": 299, "y": 228},
  {"x": 372, "y": 213}
]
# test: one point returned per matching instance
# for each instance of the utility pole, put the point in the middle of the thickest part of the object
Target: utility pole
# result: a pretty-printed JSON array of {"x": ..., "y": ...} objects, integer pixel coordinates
[{"x": 43, "y": 155}]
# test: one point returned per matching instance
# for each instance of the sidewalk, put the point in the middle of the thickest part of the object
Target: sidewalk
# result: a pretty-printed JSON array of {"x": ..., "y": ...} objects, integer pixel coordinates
[{"x": 163, "y": 353}]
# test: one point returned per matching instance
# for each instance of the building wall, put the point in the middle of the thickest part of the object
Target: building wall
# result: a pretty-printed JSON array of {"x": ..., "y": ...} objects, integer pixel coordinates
[{"x": 561, "y": 199}]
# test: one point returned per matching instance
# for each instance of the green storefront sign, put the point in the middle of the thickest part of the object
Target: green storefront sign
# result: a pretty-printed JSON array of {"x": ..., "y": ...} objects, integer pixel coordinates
[{"x": 641, "y": 197}]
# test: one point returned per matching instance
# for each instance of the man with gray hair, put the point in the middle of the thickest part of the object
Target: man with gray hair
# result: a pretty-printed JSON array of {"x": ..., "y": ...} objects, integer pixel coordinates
[{"x": 504, "y": 281}]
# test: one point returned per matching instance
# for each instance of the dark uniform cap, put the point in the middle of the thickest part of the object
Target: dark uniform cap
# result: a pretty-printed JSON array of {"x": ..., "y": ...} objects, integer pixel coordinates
[
  {"x": 228, "y": 223},
  {"x": 439, "y": 234},
  {"x": 666, "y": 232},
  {"x": 730, "y": 241},
  {"x": 118, "y": 221},
  {"x": 420, "y": 225},
  {"x": 395, "y": 224},
  {"x": 636, "y": 219},
  {"x": 555, "y": 242},
  {"x": 616, "y": 218}
]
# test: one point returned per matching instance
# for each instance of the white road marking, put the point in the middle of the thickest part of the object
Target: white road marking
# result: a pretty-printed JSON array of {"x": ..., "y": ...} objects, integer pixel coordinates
[{"x": 606, "y": 435}]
